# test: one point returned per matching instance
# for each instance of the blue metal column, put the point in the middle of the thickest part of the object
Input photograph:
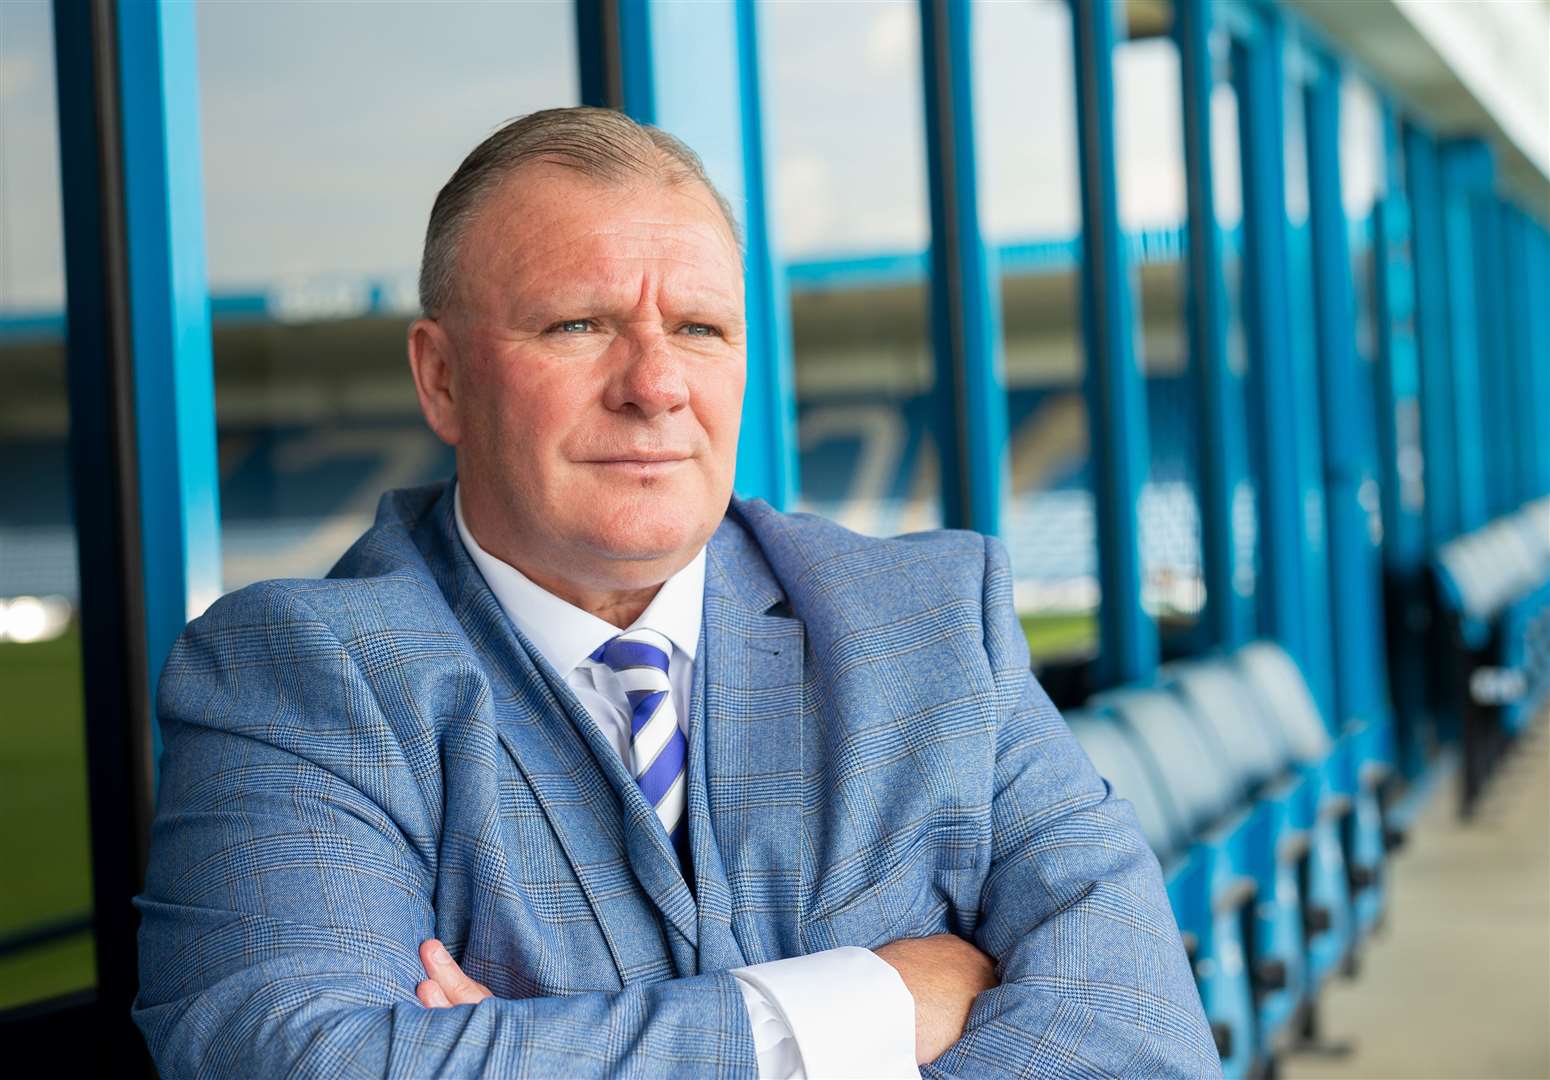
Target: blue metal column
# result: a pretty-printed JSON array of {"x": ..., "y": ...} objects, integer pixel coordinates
[
  {"x": 1282, "y": 588},
  {"x": 1491, "y": 308},
  {"x": 142, "y": 423},
  {"x": 767, "y": 447},
  {"x": 1116, "y": 392},
  {"x": 1360, "y": 674},
  {"x": 1538, "y": 358},
  {"x": 1223, "y": 465},
  {"x": 1521, "y": 447},
  {"x": 1466, "y": 170},
  {"x": 1400, "y": 463},
  {"x": 1438, "y": 434},
  {"x": 1399, "y": 375},
  {"x": 169, "y": 320},
  {"x": 965, "y": 291},
  {"x": 1300, "y": 65},
  {"x": 693, "y": 70}
]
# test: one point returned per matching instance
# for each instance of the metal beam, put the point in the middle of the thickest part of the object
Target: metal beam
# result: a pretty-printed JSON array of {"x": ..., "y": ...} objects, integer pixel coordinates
[
  {"x": 1360, "y": 671},
  {"x": 1272, "y": 380},
  {"x": 965, "y": 296},
  {"x": 169, "y": 320},
  {"x": 1466, "y": 172},
  {"x": 1406, "y": 585},
  {"x": 1228, "y": 558},
  {"x": 1428, "y": 258},
  {"x": 1116, "y": 392}
]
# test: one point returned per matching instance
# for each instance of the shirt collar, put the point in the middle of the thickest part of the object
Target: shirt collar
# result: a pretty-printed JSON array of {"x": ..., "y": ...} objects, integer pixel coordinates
[{"x": 566, "y": 635}]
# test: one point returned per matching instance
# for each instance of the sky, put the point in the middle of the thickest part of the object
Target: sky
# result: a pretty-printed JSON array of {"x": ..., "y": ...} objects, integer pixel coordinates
[{"x": 329, "y": 126}]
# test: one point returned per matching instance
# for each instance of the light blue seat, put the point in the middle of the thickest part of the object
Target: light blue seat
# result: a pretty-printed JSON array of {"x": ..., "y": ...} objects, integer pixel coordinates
[
  {"x": 1214, "y": 942},
  {"x": 1338, "y": 808},
  {"x": 1259, "y": 757},
  {"x": 1209, "y": 883},
  {"x": 1494, "y": 586}
]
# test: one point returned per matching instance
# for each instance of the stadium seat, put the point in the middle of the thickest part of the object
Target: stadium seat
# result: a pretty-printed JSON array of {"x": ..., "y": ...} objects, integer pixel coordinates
[
  {"x": 1209, "y": 881},
  {"x": 1329, "y": 915},
  {"x": 1259, "y": 759},
  {"x": 1493, "y": 586}
]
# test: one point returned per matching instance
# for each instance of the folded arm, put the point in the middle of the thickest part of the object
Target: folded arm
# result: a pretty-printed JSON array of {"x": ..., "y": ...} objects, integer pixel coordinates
[
  {"x": 1093, "y": 977},
  {"x": 291, "y": 883}
]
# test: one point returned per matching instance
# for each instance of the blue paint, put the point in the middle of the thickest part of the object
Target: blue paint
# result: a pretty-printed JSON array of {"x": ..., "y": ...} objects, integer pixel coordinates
[
  {"x": 1466, "y": 171},
  {"x": 1399, "y": 377},
  {"x": 1223, "y": 453},
  {"x": 169, "y": 319},
  {"x": 1360, "y": 673},
  {"x": 1273, "y": 376},
  {"x": 766, "y": 451},
  {"x": 1491, "y": 306},
  {"x": 965, "y": 287},
  {"x": 1439, "y": 437},
  {"x": 1116, "y": 404}
]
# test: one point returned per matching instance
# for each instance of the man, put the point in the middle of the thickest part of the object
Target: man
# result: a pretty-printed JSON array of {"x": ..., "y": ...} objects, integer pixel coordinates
[{"x": 582, "y": 766}]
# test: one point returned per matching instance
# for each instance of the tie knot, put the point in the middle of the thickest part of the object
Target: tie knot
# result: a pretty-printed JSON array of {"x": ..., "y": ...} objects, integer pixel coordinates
[{"x": 639, "y": 648}]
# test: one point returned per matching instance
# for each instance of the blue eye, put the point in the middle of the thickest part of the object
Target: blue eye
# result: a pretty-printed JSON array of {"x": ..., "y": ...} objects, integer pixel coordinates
[
  {"x": 572, "y": 326},
  {"x": 699, "y": 329}
]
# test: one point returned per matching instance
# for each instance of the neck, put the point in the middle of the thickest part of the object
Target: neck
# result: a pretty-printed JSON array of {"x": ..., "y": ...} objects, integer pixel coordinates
[{"x": 621, "y": 608}]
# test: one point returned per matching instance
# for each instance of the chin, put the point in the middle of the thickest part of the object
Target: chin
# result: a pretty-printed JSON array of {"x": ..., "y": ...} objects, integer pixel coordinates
[{"x": 650, "y": 528}]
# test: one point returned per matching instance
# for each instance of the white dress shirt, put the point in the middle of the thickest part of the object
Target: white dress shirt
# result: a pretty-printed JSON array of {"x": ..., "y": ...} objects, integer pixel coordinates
[{"x": 838, "y": 1013}]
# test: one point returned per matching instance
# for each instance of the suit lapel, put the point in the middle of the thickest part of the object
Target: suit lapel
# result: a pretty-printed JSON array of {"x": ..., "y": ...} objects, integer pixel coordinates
[
  {"x": 746, "y": 813},
  {"x": 594, "y": 806}
]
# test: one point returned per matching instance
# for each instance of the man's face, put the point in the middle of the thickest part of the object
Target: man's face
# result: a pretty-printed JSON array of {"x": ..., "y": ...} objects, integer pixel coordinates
[{"x": 596, "y": 375}]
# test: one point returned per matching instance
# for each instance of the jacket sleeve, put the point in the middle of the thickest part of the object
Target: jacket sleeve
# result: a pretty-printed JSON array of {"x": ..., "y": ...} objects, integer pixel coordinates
[
  {"x": 292, "y": 876},
  {"x": 1094, "y": 981}
]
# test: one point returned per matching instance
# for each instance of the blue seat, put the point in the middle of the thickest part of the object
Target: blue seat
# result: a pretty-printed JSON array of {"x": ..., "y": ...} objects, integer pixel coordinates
[
  {"x": 1259, "y": 758},
  {"x": 1208, "y": 880},
  {"x": 1494, "y": 587},
  {"x": 1331, "y": 804},
  {"x": 1213, "y": 942}
]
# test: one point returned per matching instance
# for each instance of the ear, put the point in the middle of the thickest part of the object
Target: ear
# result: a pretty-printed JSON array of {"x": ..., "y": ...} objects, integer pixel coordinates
[{"x": 433, "y": 360}]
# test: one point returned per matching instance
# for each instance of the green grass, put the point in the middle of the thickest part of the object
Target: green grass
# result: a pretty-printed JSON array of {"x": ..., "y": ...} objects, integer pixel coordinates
[
  {"x": 1061, "y": 636},
  {"x": 44, "y": 853}
]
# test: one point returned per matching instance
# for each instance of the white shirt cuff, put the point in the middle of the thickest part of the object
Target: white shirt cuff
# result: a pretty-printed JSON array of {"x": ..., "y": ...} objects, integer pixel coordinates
[{"x": 838, "y": 1013}]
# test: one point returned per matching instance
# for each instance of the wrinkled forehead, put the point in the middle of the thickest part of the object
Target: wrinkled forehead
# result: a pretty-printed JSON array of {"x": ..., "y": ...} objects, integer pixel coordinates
[
  {"x": 545, "y": 198},
  {"x": 546, "y": 222}
]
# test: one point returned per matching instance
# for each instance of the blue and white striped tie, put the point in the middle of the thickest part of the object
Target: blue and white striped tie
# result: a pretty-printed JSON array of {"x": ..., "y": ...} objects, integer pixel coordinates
[{"x": 658, "y": 750}]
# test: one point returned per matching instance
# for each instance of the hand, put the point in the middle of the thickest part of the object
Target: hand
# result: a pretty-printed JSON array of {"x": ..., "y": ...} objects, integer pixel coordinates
[
  {"x": 447, "y": 984},
  {"x": 944, "y": 973}
]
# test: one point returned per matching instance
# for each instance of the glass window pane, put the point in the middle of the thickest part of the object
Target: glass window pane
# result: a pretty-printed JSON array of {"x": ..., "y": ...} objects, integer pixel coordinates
[
  {"x": 1361, "y": 180},
  {"x": 328, "y": 129},
  {"x": 46, "y": 944},
  {"x": 1149, "y": 132},
  {"x": 1032, "y": 217},
  {"x": 848, "y": 177},
  {"x": 1227, "y": 188}
]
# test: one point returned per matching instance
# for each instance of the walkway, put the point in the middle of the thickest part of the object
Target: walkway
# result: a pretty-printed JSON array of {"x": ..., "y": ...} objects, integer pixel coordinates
[{"x": 1457, "y": 984}]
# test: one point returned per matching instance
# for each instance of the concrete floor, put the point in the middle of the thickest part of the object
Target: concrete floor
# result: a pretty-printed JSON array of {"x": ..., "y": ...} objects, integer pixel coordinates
[{"x": 1457, "y": 983}]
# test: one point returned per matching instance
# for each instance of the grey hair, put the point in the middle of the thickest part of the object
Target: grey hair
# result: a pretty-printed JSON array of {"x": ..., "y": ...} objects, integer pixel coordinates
[{"x": 602, "y": 144}]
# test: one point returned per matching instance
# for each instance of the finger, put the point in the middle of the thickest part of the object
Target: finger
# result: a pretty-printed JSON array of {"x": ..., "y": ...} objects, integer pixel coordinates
[
  {"x": 459, "y": 988},
  {"x": 430, "y": 995}
]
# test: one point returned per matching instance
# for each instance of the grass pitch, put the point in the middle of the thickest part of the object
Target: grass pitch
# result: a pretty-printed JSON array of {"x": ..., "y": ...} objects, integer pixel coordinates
[{"x": 44, "y": 854}]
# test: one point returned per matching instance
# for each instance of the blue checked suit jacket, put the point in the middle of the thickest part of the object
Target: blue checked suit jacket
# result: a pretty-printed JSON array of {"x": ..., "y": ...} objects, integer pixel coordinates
[{"x": 355, "y": 764}]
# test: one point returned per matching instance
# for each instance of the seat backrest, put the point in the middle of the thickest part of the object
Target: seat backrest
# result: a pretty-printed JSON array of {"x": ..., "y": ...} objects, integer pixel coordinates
[
  {"x": 1287, "y": 702},
  {"x": 1193, "y": 775},
  {"x": 1232, "y": 717},
  {"x": 1117, "y": 761}
]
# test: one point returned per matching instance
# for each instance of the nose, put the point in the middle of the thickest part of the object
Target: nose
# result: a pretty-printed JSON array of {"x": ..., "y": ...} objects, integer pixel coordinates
[{"x": 650, "y": 380}]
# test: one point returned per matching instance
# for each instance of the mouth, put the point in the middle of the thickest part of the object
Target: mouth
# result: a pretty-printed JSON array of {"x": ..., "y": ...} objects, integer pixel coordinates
[{"x": 644, "y": 465}]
